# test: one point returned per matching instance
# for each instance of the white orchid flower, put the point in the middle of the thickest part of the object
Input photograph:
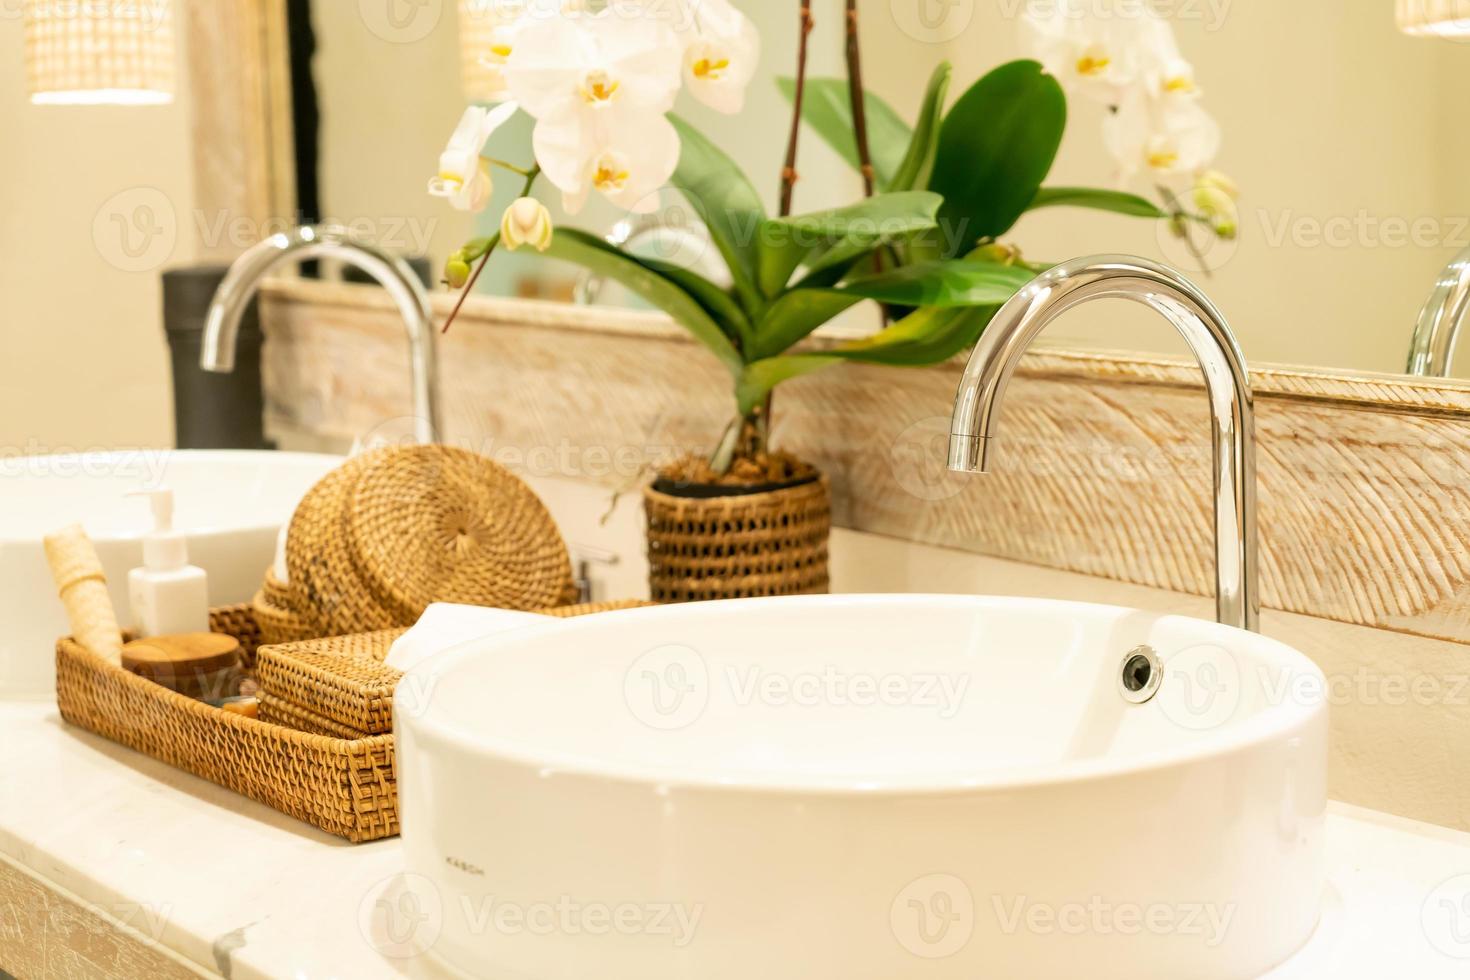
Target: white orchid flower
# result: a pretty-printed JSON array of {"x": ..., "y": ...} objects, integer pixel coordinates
[
  {"x": 721, "y": 53},
  {"x": 568, "y": 68},
  {"x": 599, "y": 86},
  {"x": 1174, "y": 79},
  {"x": 1162, "y": 137},
  {"x": 464, "y": 178},
  {"x": 1095, "y": 53},
  {"x": 625, "y": 155}
]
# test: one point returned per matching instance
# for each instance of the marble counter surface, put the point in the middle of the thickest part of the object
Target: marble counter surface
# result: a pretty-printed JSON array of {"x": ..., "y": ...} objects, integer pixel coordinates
[{"x": 235, "y": 889}]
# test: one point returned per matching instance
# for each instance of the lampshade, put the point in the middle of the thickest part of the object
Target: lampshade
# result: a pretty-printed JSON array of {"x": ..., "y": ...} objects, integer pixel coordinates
[
  {"x": 99, "y": 52},
  {"x": 1445, "y": 18},
  {"x": 482, "y": 46}
]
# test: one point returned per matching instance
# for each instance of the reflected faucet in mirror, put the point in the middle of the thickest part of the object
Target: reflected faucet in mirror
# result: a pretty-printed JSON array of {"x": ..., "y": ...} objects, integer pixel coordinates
[
  {"x": 1432, "y": 350},
  {"x": 330, "y": 241},
  {"x": 1162, "y": 289}
]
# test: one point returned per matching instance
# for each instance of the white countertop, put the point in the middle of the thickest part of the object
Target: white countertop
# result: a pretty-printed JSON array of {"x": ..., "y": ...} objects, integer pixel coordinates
[{"x": 241, "y": 890}]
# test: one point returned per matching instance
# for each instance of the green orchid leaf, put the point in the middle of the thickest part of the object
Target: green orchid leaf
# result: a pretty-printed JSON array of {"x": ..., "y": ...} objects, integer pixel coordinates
[
  {"x": 792, "y": 318},
  {"x": 927, "y": 336},
  {"x": 956, "y": 283},
  {"x": 763, "y": 376},
  {"x": 1119, "y": 202},
  {"x": 827, "y": 108},
  {"x": 716, "y": 301},
  {"x": 841, "y": 234},
  {"x": 996, "y": 146},
  {"x": 918, "y": 162},
  {"x": 726, "y": 202},
  {"x": 593, "y": 253},
  {"x": 959, "y": 282}
]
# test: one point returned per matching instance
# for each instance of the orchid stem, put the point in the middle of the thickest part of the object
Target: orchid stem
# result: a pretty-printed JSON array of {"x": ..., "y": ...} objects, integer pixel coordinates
[
  {"x": 788, "y": 173},
  {"x": 494, "y": 240},
  {"x": 1177, "y": 211},
  {"x": 859, "y": 102},
  {"x": 507, "y": 165}
]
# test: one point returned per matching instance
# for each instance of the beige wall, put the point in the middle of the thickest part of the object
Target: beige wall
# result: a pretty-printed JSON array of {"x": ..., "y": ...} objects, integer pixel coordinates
[{"x": 80, "y": 325}]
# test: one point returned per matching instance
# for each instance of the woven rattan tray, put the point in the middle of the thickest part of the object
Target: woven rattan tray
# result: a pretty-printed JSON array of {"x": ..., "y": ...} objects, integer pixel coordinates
[
  {"x": 346, "y": 787},
  {"x": 340, "y": 685}
]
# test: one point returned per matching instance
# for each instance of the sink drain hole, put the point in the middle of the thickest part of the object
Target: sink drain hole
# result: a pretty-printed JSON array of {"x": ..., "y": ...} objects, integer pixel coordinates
[{"x": 1141, "y": 675}]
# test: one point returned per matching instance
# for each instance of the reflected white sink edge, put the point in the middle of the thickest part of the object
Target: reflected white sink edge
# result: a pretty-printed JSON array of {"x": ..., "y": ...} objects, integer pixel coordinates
[
  {"x": 230, "y": 503},
  {"x": 536, "y": 769}
]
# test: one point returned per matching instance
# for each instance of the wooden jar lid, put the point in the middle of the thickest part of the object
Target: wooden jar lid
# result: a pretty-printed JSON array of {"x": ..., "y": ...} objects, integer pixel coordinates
[{"x": 196, "y": 664}]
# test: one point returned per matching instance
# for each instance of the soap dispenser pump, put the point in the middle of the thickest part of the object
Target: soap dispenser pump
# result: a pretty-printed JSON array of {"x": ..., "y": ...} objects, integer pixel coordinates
[{"x": 168, "y": 595}]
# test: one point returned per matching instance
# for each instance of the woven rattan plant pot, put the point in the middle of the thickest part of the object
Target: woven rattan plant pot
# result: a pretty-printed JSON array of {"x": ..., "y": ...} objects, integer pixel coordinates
[{"x": 738, "y": 546}]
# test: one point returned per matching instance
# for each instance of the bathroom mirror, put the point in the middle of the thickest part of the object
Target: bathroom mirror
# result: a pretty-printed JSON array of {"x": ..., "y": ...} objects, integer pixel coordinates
[{"x": 1341, "y": 130}]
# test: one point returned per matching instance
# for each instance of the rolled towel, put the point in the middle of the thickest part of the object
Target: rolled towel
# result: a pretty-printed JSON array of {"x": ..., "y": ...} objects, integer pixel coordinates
[{"x": 83, "y": 590}]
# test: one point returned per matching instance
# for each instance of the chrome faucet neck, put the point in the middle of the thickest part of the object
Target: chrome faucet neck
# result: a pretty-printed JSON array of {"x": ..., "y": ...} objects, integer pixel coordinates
[
  {"x": 395, "y": 275},
  {"x": 1432, "y": 350},
  {"x": 1227, "y": 382}
]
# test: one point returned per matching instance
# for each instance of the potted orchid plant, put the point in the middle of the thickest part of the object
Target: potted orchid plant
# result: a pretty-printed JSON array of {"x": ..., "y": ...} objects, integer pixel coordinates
[{"x": 925, "y": 242}]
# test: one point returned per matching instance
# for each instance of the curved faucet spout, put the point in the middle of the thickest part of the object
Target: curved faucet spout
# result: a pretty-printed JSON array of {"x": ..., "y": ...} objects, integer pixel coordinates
[
  {"x": 1227, "y": 382},
  {"x": 330, "y": 241},
  {"x": 1432, "y": 350}
]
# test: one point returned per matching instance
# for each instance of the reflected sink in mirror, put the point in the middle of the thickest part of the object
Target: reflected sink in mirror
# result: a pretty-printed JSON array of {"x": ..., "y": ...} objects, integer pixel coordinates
[
  {"x": 866, "y": 787},
  {"x": 230, "y": 504}
]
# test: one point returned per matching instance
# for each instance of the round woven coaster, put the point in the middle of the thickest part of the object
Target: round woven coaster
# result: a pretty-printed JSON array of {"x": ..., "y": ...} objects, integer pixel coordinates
[
  {"x": 438, "y": 524},
  {"x": 326, "y": 589}
]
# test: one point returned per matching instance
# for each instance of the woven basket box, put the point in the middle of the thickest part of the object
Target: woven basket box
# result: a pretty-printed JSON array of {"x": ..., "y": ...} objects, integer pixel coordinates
[{"x": 345, "y": 786}]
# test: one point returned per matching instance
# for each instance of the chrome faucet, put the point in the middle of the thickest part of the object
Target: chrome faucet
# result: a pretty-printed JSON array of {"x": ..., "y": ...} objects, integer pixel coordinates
[
  {"x": 1227, "y": 382},
  {"x": 330, "y": 241},
  {"x": 1433, "y": 348}
]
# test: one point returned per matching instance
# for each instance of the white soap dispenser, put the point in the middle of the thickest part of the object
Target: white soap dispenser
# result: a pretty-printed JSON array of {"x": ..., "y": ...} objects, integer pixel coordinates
[{"x": 168, "y": 595}]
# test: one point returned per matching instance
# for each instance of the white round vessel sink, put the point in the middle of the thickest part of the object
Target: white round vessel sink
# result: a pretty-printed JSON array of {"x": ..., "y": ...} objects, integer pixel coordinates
[
  {"x": 231, "y": 504},
  {"x": 865, "y": 788}
]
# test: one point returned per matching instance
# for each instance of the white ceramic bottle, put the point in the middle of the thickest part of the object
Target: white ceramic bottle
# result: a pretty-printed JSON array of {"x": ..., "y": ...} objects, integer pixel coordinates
[{"x": 168, "y": 595}]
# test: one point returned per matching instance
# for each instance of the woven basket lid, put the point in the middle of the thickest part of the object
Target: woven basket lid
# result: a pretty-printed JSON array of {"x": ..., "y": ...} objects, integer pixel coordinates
[
  {"x": 438, "y": 524},
  {"x": 326, "y": 590}
]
